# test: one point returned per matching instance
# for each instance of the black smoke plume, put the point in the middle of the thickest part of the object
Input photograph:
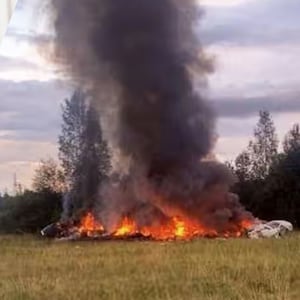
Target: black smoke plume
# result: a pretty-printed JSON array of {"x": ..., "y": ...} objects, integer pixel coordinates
[{"x": 140, "y": 59}]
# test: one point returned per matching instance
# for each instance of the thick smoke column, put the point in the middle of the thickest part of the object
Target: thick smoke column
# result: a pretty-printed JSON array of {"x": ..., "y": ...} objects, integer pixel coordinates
[
  {"x": 138, "y": 57},
  {"x": 147, "y": 48}
]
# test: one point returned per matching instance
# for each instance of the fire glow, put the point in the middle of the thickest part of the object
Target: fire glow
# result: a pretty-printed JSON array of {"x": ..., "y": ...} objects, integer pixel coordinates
[
  {"x": 89, "y": 225},
  {"x": 158, "y": 124},
  {"x": 175, "y": 229}
]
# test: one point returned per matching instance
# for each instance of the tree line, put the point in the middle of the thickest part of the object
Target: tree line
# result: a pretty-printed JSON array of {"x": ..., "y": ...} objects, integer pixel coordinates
[
  {"x": 68, "y": 188},
  {"x": 268, "y": 176},
  {"x": 267, "y": 173}
]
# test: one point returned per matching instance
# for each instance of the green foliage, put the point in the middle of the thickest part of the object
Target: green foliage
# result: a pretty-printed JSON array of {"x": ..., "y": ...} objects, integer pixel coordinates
[
  {"x": 83, "y": 151},
  {"x": 29, "y": 212},
  {"x": 291, "y": 141},
  {"x": 93, "y": 165},
  {"x": 85, "y": 164},
  {"x": 262, "y": 150},
  {"x": 70, "y": 140},
  {"x": 49, "y": 177},
  {"x": 243, "y": 166},
  {"x": 269, "y": 182},
  {"x": 282, "y": 188}
]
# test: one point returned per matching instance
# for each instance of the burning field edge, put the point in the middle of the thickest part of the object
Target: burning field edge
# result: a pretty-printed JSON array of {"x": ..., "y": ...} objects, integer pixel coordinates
[
  {"x": 142, "y": 69},
  {"x": 176, "y": 229}
]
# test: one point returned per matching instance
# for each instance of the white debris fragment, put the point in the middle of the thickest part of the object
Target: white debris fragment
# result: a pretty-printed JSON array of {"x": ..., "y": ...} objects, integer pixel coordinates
[{"x": 276, "y": 229}]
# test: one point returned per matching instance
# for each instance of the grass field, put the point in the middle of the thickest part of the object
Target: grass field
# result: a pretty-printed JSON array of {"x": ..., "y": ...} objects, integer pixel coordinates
[{"x": 31, "y": 268}]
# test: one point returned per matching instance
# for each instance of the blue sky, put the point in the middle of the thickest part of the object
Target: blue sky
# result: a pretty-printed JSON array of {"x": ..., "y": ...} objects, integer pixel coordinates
[{"x": 256, "y": 45}]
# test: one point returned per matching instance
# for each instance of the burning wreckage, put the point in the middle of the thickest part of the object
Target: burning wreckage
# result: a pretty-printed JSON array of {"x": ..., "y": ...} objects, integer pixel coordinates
[
  {"x": 177, "y": 229},
  {"x": 142, "y": 64}
]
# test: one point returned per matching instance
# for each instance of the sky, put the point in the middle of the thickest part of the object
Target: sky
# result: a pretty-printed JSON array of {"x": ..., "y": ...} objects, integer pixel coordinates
[{"x": 255, "y": 45}]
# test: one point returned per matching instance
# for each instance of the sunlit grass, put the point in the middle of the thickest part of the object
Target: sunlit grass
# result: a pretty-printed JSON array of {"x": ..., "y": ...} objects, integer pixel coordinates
[{"x": 31, "y": 268}]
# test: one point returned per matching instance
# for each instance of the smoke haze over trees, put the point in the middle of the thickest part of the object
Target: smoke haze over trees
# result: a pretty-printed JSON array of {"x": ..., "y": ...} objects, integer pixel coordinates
[
  {"x": 83, "y": 152},
  {"x": 142, "y": 66},
  {"x": 69, "y": 188},
  {"x": 276, "y": 195}
]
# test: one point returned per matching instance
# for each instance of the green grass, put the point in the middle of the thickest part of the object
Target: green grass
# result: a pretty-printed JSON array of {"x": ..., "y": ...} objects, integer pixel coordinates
[{"x": 31, "y": 268}]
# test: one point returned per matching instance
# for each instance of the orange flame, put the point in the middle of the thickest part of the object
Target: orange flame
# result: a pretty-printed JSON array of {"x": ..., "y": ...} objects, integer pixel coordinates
[
  {"x": 127, "y": 227},
  {"x": 89, "y": 225},
  {"x": 180, "y": 229},
  {"x": 246, "y": 224},
  {"x": 175, "y": 228}
]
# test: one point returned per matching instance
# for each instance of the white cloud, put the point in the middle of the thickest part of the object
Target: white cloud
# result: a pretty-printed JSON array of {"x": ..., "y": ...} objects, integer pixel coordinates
[
  {"x": 254, "y": 71},
  {"x": 35, "y": 66},
  {"x": 32, "y": 108},
  {"x": 236, "y": 134},
  {"x": 23, "y": 170},
  {"x": 21, "y": 158},
  {"x": 29, "y": 122},
  {"x": 6, "y": 10},
  {"x": 222, "y": 2},
  {"x": 11, "y": 150},
  {"x": 228, "y": 148}
]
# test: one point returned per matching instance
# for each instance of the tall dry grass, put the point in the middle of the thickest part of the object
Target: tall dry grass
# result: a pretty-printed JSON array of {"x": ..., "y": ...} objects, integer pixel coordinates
[{"x": 206, "y": 269}]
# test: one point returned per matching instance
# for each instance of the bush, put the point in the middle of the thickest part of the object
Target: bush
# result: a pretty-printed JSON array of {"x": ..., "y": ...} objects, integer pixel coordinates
[{"x": 29, "y": 212}]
